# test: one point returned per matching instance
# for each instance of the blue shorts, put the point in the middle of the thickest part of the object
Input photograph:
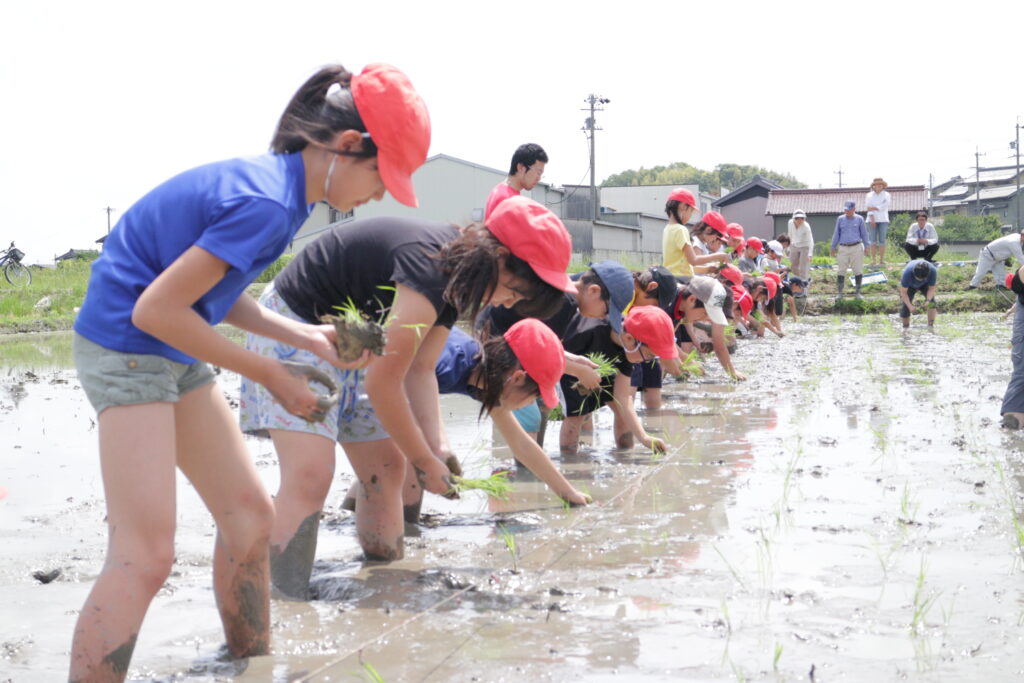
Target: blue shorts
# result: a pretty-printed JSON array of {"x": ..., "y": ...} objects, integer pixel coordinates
[
  {"x": 646, "y": 375},
  {"x": 877, "y": 234},
  {"x": 529, "y": 417}
]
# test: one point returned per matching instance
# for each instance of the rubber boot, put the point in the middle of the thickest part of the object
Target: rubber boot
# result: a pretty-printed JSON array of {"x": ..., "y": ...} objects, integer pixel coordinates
[
  {"x": 291, "y": 567},
  {"x": 840, "y": 282},
  {"x": 857, "y": 280}
]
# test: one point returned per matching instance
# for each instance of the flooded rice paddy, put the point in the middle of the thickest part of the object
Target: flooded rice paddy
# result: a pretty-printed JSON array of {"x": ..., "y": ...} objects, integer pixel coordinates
[{"x": 847, "y": 514}]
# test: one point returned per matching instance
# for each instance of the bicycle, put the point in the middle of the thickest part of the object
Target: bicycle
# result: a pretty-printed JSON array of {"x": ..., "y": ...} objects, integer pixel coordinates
[{"x": 15, "y": 272}]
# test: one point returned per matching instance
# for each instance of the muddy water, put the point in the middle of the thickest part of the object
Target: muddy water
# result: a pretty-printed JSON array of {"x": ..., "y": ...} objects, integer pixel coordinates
[{"x": 845, "y": 515}]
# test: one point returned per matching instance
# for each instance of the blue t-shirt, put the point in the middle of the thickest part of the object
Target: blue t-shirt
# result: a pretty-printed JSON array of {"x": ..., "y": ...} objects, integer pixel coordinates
[
  {"x": 909, "y": 281},
  {"x": 244, "y": 211},
  {"x": 460, "y": 355}
]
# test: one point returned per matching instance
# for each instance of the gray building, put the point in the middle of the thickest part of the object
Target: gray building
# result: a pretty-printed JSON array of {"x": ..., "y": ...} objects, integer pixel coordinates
[
  {"x": 823, "y": 206},
  {"x": 455, "y": 191},
  {"x": 747, "y": 206},
  {"x": 989, "y": 191}
]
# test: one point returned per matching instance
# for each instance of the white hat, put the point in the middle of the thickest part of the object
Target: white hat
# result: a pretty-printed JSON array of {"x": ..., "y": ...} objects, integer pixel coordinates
[
  {"x": 799, "y": 214},
  {"x": 775, "y": 246}
]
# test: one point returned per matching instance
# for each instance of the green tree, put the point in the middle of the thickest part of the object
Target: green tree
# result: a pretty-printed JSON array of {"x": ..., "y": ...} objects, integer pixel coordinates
[{"x": 728, "y": 176}]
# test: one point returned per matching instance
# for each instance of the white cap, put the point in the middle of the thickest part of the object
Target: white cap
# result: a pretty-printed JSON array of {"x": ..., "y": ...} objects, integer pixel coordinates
[
  {"x": 775, "y": 246},
  {"x": 799, "y": 214}
]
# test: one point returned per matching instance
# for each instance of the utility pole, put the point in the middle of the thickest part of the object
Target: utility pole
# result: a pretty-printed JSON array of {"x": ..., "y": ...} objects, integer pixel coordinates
[
  {"x": 109, "y": 211},
  {"x": 840, "y": 174},
  {"x": 930, "y": 200},
  {"x": 590, "y": 125},
  {"x": 977, "y": 182},
  {"x": 1016, "y": 148}
]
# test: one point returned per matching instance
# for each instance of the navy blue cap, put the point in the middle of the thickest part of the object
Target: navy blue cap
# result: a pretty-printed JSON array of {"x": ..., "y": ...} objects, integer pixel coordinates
[{"x": 619, "y": 281}]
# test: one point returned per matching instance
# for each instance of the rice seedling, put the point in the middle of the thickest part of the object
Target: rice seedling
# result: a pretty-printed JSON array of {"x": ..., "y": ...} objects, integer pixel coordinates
[
  {"x": 691, "y": 364},
  {"x": 510, "y": 544},
  {"x": 777, "y": 657},
  {"x": 732, "y": 570},
  {"x": 355, "y": 332},
  {"x": 908, "y": 506},
  {"x": 495, "y": 486},
  {"x": 922, "y": 603},
  {"x": 371, "y": 674},
  {"x": 556, "y": 414}
]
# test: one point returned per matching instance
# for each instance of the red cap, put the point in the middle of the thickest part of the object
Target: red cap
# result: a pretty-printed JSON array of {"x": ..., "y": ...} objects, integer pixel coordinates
[
  {"x": 540, "y": 353},
  {"x": 772, "y": 275},
  {"x": 537, "y": 236},
  {"x": 755, "y": 244},
  {"x": 684, "y": 196},
  {"x": 1009, "y": 279},
  {"x": 715, "y": 221},
  {"x": 734, "y": 230},
  {"x": 741, "y": 246},
  {"x": 743, "y": 298},
  {"x": 398, "y": 123},
  {"x": 732, "y": 274},
  {"x": 650, "y": 325},
  {"x": 771, "y": 286}
]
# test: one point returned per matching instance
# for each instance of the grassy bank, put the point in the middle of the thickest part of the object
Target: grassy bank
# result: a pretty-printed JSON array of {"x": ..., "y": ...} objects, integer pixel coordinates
[{"x": 51, "y": 301}]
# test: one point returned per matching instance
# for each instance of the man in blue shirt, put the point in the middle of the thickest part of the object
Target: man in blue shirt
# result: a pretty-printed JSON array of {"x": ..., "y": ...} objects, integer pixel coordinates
[
  {"x": 918, "y": 276},
  {"x": 849, "y": 241}
]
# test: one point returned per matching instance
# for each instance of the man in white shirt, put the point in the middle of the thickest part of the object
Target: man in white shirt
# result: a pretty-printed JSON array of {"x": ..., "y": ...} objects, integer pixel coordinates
[
  {"x": 992, "y": 256},
  {"x": 877, "y": 220},
  {"x": 922, "y": 240}
]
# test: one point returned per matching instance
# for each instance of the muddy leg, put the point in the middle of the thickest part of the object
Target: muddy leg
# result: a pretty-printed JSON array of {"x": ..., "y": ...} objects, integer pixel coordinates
[
  {"x": 212, "y": 454},
  {"x": 307, "y": 469},
  {"x": 569, "y": 436},
  {"x": 412, "y": 496},
  {"x": 137, "y": 462},
  {"x": 292, "y": 565},
  {"x": 380, "y": 467}
]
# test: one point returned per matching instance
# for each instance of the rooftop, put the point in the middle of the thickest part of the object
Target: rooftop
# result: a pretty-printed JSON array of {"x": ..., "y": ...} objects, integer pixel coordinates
[{"x": 905, "y": 198}]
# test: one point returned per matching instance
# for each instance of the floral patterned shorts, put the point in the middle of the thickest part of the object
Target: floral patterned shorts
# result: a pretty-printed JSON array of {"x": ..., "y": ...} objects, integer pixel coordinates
[{"x": 354, "y": 419}]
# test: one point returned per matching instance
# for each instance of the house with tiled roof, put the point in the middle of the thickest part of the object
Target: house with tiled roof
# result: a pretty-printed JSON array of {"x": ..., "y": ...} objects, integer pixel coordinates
[{"x": 823, "y": 206}]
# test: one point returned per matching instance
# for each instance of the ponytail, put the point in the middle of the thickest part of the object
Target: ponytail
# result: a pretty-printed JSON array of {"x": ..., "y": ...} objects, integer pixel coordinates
[
  {"x": 318, "y": 111},
  {"x": 497, "y": 362}
]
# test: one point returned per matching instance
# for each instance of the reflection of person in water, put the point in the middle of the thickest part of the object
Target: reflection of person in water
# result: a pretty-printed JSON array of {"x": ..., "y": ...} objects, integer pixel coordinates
[{"x": 1013, "y": 400}]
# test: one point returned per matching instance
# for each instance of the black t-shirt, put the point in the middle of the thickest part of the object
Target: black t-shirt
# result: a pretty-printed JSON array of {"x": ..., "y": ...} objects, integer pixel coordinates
[
  {"x": 582, "y": 337},
  {"x": 501, "y": 318},
  {"x": 363, "y": 260}
]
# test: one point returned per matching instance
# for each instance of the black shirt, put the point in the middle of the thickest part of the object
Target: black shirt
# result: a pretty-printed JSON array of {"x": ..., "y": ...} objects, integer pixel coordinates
[
  {"x": 585, "y": 336},
  {"x": 501, "y": 318},
  {"x": 364, "y": 260}
]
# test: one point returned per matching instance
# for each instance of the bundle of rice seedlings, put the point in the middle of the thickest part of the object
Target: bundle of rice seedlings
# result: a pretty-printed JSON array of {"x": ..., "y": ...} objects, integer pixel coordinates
[
  {"x": 605, "y": 368},
  {"x": 355, "y": 333},
  {"x": 495, "y": 486},
  {"x": 556, "y": 414}
]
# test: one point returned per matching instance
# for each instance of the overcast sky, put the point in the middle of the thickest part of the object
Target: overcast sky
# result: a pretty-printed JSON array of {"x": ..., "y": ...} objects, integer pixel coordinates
[{"x": 104, "y": 100}]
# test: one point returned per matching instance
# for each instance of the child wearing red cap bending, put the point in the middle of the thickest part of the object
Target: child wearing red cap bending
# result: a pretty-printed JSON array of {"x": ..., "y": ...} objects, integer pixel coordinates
[
  {"x": 504, "y": 373},
  {"x": 750, "y": 262},
  {"x": 176, "y": 264},
  {"x": 643, "y": 334},
  {"x": 677, "y": 248},
  {"x": 421, "y": 276}
]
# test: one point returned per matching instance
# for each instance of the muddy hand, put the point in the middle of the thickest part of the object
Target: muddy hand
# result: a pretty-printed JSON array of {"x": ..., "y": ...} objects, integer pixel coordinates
[
  {"x": 577, "y": 499},
  {"x": 323, "y": 402},
  {"x": 452, "y": 463},
  {"x": 435, "y": 477}
]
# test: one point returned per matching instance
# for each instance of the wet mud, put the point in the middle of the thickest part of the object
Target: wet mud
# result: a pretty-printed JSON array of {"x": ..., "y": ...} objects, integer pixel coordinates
[
  {"x": 353, "y": 337},
  {"x": 852, "y": 510}
]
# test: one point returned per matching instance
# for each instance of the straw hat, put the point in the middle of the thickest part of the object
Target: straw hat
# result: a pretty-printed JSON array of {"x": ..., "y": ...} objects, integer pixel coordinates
[{"x": 879, "y": 180}]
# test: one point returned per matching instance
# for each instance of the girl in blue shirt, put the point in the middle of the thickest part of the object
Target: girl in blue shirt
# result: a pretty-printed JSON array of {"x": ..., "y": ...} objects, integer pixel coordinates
[{"x": 177, "y": 264}]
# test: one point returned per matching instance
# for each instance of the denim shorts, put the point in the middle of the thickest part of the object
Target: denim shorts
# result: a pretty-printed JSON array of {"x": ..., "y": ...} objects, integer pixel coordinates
[
  {"x": 877, "y": 234},
  {"x": 354, "y": 419},
  {"x": 116, "y": 378}
]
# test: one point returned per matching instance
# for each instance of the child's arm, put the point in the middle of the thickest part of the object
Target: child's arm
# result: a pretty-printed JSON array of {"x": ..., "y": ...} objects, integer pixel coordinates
[
  {"x": 425, "y": 398},
  {"x": 622, "y": 406},
  {"x": 582, "y": 368},
  {"x": 792, "y": 307},
  {"x": 722, "y": 351},
  {"x": 776, "y": 323},
  {"x": 164, "y": 310},
  {"x": 527, "y": 451},
  {"x": 411, "y": 313},
  {"x": 696, "y": 259}
]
